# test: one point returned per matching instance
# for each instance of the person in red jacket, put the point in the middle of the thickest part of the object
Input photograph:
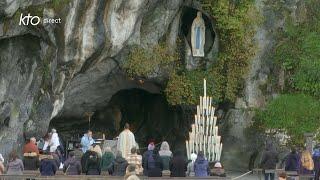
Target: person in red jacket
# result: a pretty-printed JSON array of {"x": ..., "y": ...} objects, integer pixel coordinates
[{"x": 31, "y": 147}]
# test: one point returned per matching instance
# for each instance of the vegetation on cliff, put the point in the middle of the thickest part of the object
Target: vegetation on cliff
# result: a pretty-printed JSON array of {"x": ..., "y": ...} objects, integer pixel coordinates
[
  {"x": 235, "y": 25},
  {"x": 235, "y": 22},
  {"x": 297, "y": 53}
]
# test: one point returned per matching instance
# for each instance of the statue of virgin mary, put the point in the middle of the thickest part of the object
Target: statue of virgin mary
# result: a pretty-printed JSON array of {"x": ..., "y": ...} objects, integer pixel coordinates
[{"x": 198, "y": 36}]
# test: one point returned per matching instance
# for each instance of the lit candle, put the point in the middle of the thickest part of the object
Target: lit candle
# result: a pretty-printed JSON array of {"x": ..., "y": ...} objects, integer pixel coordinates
[
  {"x": 204, "y": 87},
  {"x": 201, "y": 105},
  {"x": 220, "y": 152},
  {"x": 198, "y": 109},
  {"x": 187, "y": 147}
]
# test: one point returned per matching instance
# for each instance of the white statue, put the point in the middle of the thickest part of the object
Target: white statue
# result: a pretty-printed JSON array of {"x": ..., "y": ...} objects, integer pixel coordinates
[{"x": 198, "y": 29}]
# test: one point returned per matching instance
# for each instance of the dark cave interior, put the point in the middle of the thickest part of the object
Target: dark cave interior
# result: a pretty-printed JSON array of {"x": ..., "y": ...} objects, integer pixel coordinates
[{"x": 149, "y": 115}]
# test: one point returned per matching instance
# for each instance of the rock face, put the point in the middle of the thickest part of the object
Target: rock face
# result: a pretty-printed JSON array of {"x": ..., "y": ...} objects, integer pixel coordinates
[
  {"x": 64, "y": 70},
  {"x": 72, "y": 67},
  {"x": 241, "y": 150}
]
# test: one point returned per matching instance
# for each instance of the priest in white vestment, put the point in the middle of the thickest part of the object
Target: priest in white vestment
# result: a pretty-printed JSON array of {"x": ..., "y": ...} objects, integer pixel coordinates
[{"x": 126, "y": 141}]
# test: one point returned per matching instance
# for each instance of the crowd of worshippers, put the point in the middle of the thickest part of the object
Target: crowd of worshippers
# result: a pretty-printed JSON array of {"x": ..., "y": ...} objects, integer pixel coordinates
[
  {"x": 300, "y": 161},
  {"x": 88, "y": 158}
]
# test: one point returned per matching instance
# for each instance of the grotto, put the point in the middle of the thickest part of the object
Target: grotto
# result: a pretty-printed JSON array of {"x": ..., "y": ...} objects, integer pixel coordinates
[
  {"x": 149, "y": 115},
  {"x": 121, "y": 61}
]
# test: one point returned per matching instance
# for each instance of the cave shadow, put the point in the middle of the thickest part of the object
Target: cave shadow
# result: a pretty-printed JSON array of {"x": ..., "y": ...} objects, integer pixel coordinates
[{"x": 150, "y": 116}]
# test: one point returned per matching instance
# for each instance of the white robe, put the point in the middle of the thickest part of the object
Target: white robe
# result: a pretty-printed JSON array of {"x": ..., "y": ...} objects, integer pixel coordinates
[
  {"x": 126, "y": 141},
  {"x": 55, "y": 140}
]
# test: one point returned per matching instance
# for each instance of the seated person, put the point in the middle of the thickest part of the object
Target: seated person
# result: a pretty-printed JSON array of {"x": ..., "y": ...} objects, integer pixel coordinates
[
  {"x": 48, "y": 165},
  {"x": 118, "y": 166},
  {"x": 72, "y": 166},
  {"x": 217, "y": 170},
  {"x": 91, "y": 162},
  {"x": 31, "y": 161},
  {"x": 31, "y": 146}
]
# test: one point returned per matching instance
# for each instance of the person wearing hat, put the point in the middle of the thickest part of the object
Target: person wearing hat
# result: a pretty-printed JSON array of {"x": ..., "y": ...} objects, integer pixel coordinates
[
  {"x": 217, "y": 170},
  {"x": 145, "y": 157}
]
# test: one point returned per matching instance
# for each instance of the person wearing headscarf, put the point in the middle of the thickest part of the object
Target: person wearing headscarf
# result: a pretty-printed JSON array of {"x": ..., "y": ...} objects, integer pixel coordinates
[
  {"x": 145, "y": 157},
  {"x": 190, "y": 167},
  {"x": 165, "y": 155},
  {"x": 107, "y": 159},
  {"x": 201, "y": 166}
]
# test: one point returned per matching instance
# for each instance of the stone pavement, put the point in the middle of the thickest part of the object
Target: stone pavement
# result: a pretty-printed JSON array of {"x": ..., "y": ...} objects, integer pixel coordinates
[{"x": 232, "y": 175}]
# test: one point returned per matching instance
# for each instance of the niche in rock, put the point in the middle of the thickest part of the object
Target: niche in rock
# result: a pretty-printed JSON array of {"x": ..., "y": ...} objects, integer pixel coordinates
[
  {"x": 149, "y": 115},
  {"x": 189, "y": 14}
]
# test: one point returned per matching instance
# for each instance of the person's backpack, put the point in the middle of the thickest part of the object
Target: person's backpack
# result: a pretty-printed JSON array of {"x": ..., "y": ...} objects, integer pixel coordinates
[{"x": 151, "y": 161}]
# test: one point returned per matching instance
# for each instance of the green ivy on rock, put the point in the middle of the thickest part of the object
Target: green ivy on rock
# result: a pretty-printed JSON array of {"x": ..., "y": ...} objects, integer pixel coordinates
[
  {"x": 235, "y": 25},
  {"x": 297, "y": 52},
  {"x": 292, "y": 114},
  {"x": 145, "y": 62}
]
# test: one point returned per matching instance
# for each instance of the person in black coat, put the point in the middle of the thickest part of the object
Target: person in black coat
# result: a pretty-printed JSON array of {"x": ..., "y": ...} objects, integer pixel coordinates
[
  {"x": 31, "y": 161},
  {"x": 145, "y": 157},
  {"x": 269, "y": 162},
  {"x": 178, "y": 165},
  {"x": 91, "y": 161},
  {"x": 48, "y": 165},
  {"x": 154, "y": 165},
  {"x": 118, "y": 166},
  {"x": 292, "y": 161}
]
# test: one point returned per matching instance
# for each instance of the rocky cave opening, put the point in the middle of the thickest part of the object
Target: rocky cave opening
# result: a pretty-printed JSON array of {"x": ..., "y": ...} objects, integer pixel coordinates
[{"x": 149, "y": 115}]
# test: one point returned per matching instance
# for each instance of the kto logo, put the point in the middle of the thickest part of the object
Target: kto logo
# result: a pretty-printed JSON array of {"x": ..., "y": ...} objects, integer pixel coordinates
[{"x": 25, "y": 20}]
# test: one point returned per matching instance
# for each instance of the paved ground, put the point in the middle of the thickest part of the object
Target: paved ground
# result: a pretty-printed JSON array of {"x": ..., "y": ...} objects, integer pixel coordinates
[{"x": 247, "y": 177}]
